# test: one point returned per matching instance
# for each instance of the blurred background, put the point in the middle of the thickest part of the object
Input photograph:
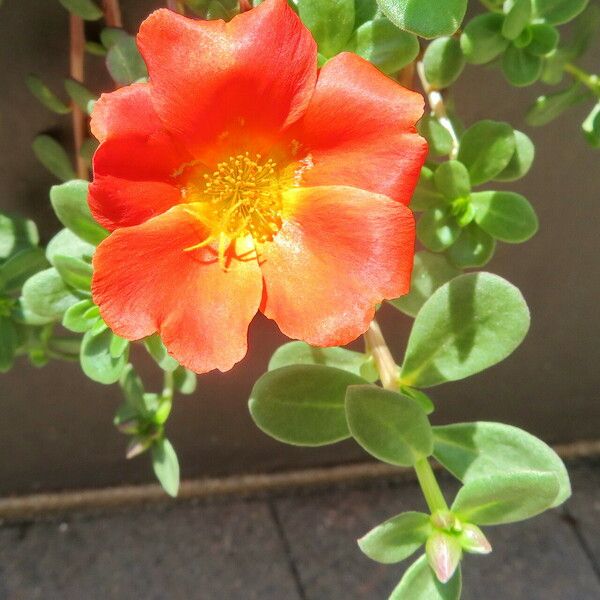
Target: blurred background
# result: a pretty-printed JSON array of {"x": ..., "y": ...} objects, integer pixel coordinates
[{"x": 56, "y": 427}]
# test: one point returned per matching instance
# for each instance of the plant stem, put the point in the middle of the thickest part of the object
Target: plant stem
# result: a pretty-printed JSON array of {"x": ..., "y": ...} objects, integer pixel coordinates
[
  {"x": 438, "y": 108},
  {"x": 77, "y": 56},
  {"x": 112, "y": 13},
  {"x": 590, "y": 81},
  {"x": 168, "y": 385},
  {"x": 430, "y": 487}
]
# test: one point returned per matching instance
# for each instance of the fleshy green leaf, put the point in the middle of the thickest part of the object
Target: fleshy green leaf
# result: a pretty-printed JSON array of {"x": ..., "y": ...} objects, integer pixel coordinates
[
  {"x": 544, "y": 39},
  {"x": 430, "y": 271},
  {"x": 549, "y": 107},
  {"x": 81, "y": 316},
  {"x": 520, "y": 67},
  {"x": 301, "y": 353},
  {"x": 426, "y": 18},
  {"x": 303, "y": 405},
  {"x": 43, "y": 93},
  {"x": 159, "y": 353},
  {"x": 123, "y": 61},
  {"x": 557, "y": 12},
  {"x": 383, "y": 44},
  {"x": 397, "y": 538},
  {"x": 66, "y": 243},
  {"x": 506, "y": 216},
  {"x": 16, "y": 234},
  {"x": 364, "y": 10},
  {"x": 469, "y": 324},
  {"x": 452, "y": 179},
  {"x": 74, "y": 272},
  {"x": 47, "y": 295},
  {"x": 70, "y": 204},
  {"x": 506, "y": 497},
  {"x": 330, "y": 21},
  {"x": 437, "y": 136},
  {"x": 437, "y": 229},
  {"x": 166, "y": 466},
  {"x": 20, "y": 267},
  {"x": 420, "y": 583},
  {"x": 443, "y": 62},
  {"x": 471, "y": 451},
  {"x": 486, "y": 149},
  {"x": 96, "y": 359},
  {"x": 86, "y": 9},
  {"x": 482, "y": 39},
  {"x": 391, "y": 427},
  {"x": 518, "y": 15},
  {"x": 79, "y": 93},
  {"x": 474, "y": 248},
  {"x": 426, "y": 195},
  {"x": 521, "y": 161},
  {"x": 185, "y": 380},
  {"x": 54, "y": 157}
]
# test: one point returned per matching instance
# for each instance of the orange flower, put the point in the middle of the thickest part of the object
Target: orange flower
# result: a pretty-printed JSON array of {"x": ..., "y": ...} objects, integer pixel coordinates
[{"x": 236, "y": 180}]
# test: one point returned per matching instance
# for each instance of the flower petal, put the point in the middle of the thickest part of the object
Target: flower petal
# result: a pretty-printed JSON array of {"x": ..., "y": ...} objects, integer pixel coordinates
[
  {"x": 360, "y": 130},
  {"x": 214, "y": 80},
  {"x": 144, "y": 281},
  {"x": 342, "y": 251}
]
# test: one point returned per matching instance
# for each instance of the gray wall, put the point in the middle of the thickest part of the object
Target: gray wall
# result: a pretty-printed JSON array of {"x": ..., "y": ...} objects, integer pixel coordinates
[{"x": 55, "y": 426}]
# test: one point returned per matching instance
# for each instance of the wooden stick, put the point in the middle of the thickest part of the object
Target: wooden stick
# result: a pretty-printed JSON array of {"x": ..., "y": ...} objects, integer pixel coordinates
[
  {"x": 112, "y": 13},
  {"x": 77, "y": 57}
]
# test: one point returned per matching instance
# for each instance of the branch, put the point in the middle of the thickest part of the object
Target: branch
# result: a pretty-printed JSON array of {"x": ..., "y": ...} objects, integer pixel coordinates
[
  {"x": 77, "y": 55},
  {"x": 112, "y": 13}
]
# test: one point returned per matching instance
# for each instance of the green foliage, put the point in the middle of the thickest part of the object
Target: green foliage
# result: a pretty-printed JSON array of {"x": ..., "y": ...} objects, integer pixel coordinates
[
  {"x": 75, "y": 272},
  {"x": 123, "y": 60},
  {"x": 86, "y": 9},
  {"x": 331, "y": 23},
  {"x": 440, "y": 144},
  {"x": 166, "y": 466},
  {"x": 466, "y": 326},
  {"x": 397, "y": 538},
  {"x": 557, "y": 12},
  {"x": 437, "y": 229},
  {"x": 426, "y": 18},
  {"x": 159, "y": 353},
  {"x": 66, "y": 243},
  {"x": 97, "y": 360},
  {"x": 79, "y": 94},
  {"x": 506, "y": 497},
  {"x": 303, "y": 405},
  {"x": 551, "y": 106},
  {"x": 46, "y": 295},
  {"x": 81, "y": 317},
  {"x": 482, "y": 40},
  {"x": 54, "y": 157},
  {"x": 391, "y": 427},
  {"x": 16, "y": 234},
  {"x": 473, "y": 248},
  {"x": 420, "y": 583},
  {"x": 472, "y": 451},
  {"x": 22, "y": 265},
  {"x": 443, "y": 62},
  {"x": 43, "y": 93},
  {"x": 521, "y": 161}
]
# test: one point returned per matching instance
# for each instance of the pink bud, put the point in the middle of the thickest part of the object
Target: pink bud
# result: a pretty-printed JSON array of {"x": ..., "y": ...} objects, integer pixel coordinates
[
  {"x": 443, "y": 553},
  {"x": 472, "y": 540}
]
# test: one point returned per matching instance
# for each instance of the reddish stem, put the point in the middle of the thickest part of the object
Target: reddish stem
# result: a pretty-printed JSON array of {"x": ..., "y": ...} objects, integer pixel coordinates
[
  {"x": 77, "y": 56},
  {"x": 112, "y": 13}
]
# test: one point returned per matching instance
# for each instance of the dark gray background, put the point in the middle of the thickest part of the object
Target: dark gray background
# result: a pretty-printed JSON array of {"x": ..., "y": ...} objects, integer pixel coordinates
[{"x": 56, "y": 426}]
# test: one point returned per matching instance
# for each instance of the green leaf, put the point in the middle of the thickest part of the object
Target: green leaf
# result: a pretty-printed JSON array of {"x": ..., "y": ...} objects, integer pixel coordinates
[
  {"x": 330, "y": 21},
  {"x": 506, "y": 216},
  {"x": 438, "y": 229},
  {"x": 70, "y": 204},
  {"x": 81, "y": 316},
  {"x": 452, "y": 179},
  {"x": 506, "y": 497},
  {"x": 430, "y": 271},
  {"x": 482, "y": 40},
  {"x": 437, "y": 136},
  {"x": 133, "y": 390},
  {"x": 86, "y": 9},
  {"x": 43, "y": 93},
  {"x": 9, "y": 342},
  {"x": 47, "y": 295},
  {"x": 474, "y": 248},
  {"x": 184, "y": 380},
  {"x": 520, "y": 67},
  {"x": 591, "y": 127},
  {"x": 521, "y": 161},
  {"x": 74, "y": 272},
  {"x": 443, "y": 62},
  {"x": 16, "y": 234},
  {"x": 301, "y": 353},
  {"x": 391, "y": 427},
  {"x": 303, "y": 405},
  {"x": 159, "y": 353},
  {"x": 87, "y": 150},
  {"x": 420, "y": 583},
  {"x": 426, "y": 18},
  {"x": 426, "y": 195},
  {"x": 549, "y": 107},
  {"x": 397, "y": 538},
  {"x": 468, "y": 325},
  {"x": 472, "y": 451},
  {"x": 95, "y": 49},
  {"x": 518, "y": 15},
  {"x": 544, "y": 39},
  {"x": 118, "y": 346},
  {"x": 557, "y": 12},
  {"x": 66, "y": 243},
  {"x": 383, "y": 44},
  {"x": 364, "y": 10},
  {"x": 124, "y": 61},
  {"x": 166, "y": 466},
  {"x": 486, "y": 149},
  {"x": 20, "y": 267},
  {"x": 54, "y": 157},
  {"x": 79, "y": 93},
  {"x": 96, "y": 359}
]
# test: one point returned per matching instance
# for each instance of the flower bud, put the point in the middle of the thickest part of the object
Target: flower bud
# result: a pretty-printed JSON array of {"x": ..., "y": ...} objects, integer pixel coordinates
[
  {"x": 472, "y": 540},
  {"x": 443, "y": 554},
  {"x": 137, "y": 446},
  {"x": 443, "y": 519}
]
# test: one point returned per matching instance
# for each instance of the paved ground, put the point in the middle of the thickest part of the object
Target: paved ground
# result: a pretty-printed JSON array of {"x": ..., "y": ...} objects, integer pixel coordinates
[{"x": 288, "y": 547}]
